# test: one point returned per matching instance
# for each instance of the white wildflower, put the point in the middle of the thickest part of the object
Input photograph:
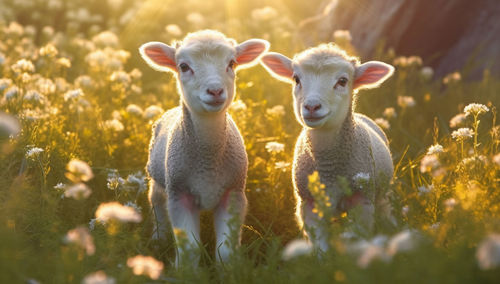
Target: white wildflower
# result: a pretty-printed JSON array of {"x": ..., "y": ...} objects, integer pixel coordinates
[
  {"x": 11, "y": 93},
  {"x": 281, "y": 165},
  {"x": 402, "y": 242},
  {"x": 48, "y": 31},
  {"x": 414, "y": 60},
  {"x": 134, "y": 109},
  {"x": 63, "y": 62},
  {"x": 457, "y": 121},
  {"x": 25, "y": 78},
  {"x": 368, "y": 251},
  {"x": 406, "y": 101},
  {"x": 78, "y": 191},
  {"x": 488, "y": 252},
  {"x": 5, "y": 83},
  {"x": 450, "y": 203},
  {"x": 342, "y": 36},
  {"x": 275, "y": 147},
  {"x": 400, "y": 61},
  {"x": 238, "y": 105},
  {"x": 48, "y": 50},
  {"x": 30, "y": 31},
  {"x": 46, "y": 86},
  {"x": 92, "y": 223},
  {"x": 96, "y": 58},
  {"x": 81, "y": 237},
  {"x": 173, "y": 30},
  {"x": 371, "y": 253},
  {"x": 405, "y": 210},
  {"x": 145, "y": 265},
  {"x": 452, "y": 78},
  {"x": 425, "y": 188},
  {"x": 98, "y": 277},
  {"x": 33, "y": 151},
  {"x": 138, "y": 179},
  {"x": 429, "y": 163},
  {"x": 116, "y": 115},
  {"x": 114, "y": 124},
  {"x": 382, "y": 122},
  {"x": 496, "y": 158},
  {"x": 135, "y": 74},
  {"x": 427, "y": 72},
  {"x": 195, "y": 19},
  {"x": 264, "y": 14},
  {"x": 114, "y": 181},
  {"x": 33, "y": 114},
  {"x": 73, "y": 94},
  {"x": 462, "y": 134},
  {"x": 23, "y": 65},
  {"x": 120, "y": 77},
  {"x": 152, "y": 112},
  {"x": 33, "y": 95},
  {"x": 435, "y": 149},
  {"x": 277, "y": 110},
  {"x": 115, "y": 211},
  {"x": 475, "y": 109},
  {"x": 15, "y": 28},
  {"x": 78, "y": 171},
  {"x": 106, "y": 38},
  {"x": 84, "y": 81},
  {"x": 60, "y": 186},
  {"x": 435, "y": 226},
  {"x": 296, "y": 248},
  {"x": 390, "y": 112}
]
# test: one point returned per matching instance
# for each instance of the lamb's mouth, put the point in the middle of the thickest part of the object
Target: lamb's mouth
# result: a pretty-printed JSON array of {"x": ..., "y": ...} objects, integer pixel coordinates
[
  {"x": 215, "y": 103},
  {"x": 314, "y": 119}
]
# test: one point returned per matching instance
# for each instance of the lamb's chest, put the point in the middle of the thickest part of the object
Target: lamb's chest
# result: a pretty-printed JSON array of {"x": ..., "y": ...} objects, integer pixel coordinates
[{"x": 207, "y": 188}]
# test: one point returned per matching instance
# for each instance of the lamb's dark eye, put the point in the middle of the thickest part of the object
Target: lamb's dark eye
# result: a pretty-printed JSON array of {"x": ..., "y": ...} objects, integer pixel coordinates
[
  {"x": 296, "y": 79},
  {"x": 231, "y": 64},
  {"x": 184, "y": 67},
  {"x": 341, "y": 82}
]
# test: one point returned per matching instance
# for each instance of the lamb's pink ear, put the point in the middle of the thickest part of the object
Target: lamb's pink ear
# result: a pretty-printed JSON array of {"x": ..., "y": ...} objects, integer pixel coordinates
[
  {"x": 159, "y": 56},
  {"x": 278, "y": 65},
  {"x": 371, "y": 74},
  {"x": 249, "y": 51}
]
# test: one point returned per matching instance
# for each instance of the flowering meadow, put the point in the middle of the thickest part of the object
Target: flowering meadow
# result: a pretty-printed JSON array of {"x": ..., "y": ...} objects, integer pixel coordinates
[{"x": 77, "y": 104}]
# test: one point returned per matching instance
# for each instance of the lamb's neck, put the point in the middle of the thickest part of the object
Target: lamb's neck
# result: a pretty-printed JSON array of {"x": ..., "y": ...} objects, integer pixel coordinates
[
  {"x": 209, "y": 131},
  {"x": 332, "y": 148},
  {"x": 326, "y": 140}
]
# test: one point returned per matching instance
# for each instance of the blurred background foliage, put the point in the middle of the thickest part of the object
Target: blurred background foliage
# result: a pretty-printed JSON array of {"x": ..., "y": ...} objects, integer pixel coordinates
[{"x": 82, "y": 92}]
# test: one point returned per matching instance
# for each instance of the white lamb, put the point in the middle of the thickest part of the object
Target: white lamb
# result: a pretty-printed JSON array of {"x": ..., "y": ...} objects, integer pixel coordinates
[
  {"x": 335, "y": 141},
  {"x": 197, "y": 158}
]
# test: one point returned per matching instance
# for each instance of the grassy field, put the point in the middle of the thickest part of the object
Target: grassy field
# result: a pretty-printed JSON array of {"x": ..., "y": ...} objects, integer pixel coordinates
[{"x": 76, "y": 108}]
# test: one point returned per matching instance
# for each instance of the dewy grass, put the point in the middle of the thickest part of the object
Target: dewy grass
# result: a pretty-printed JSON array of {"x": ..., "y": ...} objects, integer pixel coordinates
[{"x": 446, "y": 217}]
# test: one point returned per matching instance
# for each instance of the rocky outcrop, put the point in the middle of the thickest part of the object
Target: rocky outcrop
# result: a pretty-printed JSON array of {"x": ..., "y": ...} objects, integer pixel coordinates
[{"x": 448, "y": 35}]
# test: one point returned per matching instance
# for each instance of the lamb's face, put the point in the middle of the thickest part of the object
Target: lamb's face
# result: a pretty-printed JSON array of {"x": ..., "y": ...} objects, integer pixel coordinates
[
  {"x": 322, "y": 92},
  {"x": 204, "y": 64},
  {"x": 206, "y": 76},
  {"x": 323, "y": 79}
]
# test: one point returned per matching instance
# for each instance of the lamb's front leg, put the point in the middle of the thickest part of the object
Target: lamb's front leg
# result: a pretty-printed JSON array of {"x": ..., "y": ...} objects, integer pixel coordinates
[
  {"x": 315, "y": 229},
  {"x": 228, "y": 218},
  {"x": 185, "y": 220},
  {"x": 157, "y": 199}
]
